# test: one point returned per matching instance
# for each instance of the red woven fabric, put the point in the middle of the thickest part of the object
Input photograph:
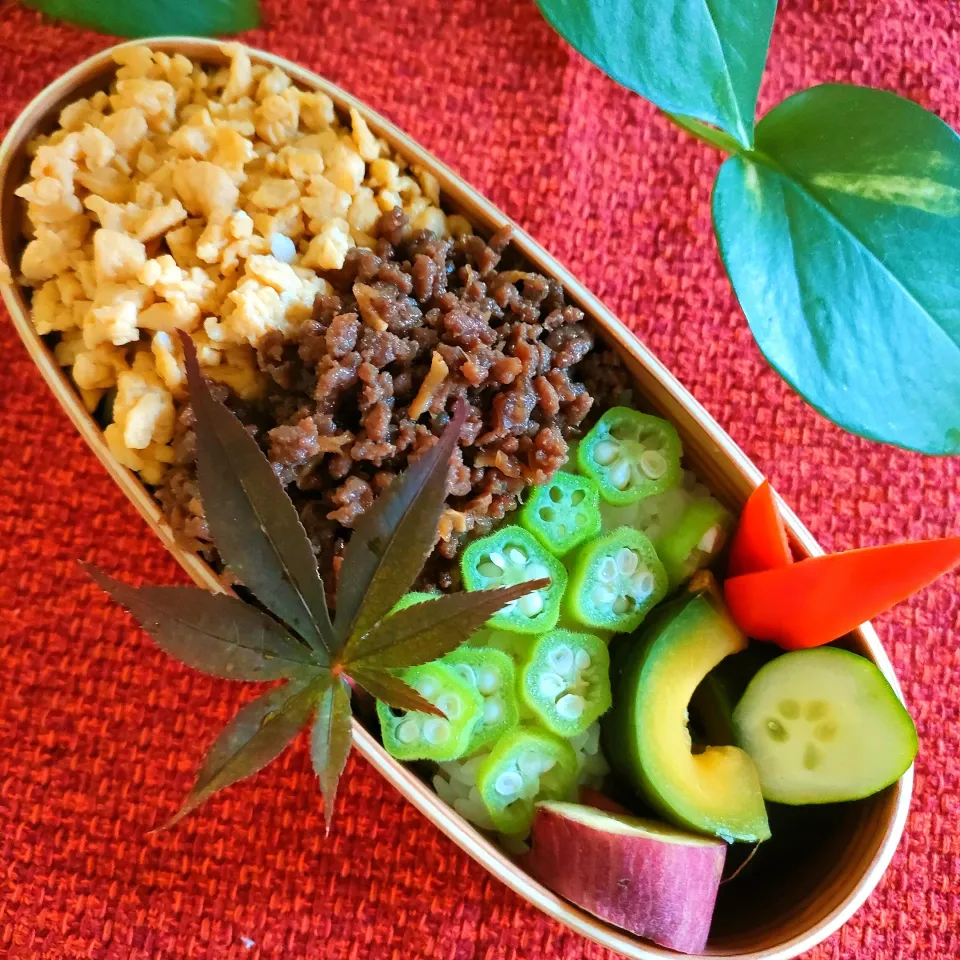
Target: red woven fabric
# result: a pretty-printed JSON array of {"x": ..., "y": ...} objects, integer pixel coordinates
[{"x": 100, "y": 733}]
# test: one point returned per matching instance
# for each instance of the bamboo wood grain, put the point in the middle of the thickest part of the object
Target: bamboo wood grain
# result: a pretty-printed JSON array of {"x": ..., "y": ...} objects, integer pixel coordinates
[{"x": 872, "y": 827}]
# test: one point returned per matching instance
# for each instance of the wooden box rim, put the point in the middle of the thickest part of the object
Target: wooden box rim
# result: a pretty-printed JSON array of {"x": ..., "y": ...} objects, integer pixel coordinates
[{"x": 728, "y": 470}]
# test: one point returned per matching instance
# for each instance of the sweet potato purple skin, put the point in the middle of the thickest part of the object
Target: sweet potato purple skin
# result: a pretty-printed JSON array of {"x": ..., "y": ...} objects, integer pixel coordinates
[{"x": 661, "y": 890}]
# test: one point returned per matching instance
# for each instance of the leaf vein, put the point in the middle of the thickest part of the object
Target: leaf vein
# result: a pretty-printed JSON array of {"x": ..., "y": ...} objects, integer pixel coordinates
[
  {"x": 836, "y": 217},
  {"x": 288, "y": 705},
  {"x": 741, "y": 129}
]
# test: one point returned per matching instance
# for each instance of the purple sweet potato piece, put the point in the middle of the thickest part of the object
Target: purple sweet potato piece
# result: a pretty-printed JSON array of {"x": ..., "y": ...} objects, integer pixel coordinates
[{"x": 653, "y": 880}]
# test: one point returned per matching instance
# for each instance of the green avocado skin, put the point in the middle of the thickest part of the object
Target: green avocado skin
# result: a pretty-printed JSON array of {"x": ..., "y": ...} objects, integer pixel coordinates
[
  {"x": 622, "y": 736},
  {"x": 619, "y": 730}
]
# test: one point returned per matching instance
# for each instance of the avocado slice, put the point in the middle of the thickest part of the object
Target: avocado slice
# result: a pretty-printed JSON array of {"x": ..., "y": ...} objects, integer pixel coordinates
[{"x": 655, "y": 673}]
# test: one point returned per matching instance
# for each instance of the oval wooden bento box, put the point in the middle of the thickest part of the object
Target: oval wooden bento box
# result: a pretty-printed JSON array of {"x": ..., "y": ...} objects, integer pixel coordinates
[{"x": 816, "y": 890}]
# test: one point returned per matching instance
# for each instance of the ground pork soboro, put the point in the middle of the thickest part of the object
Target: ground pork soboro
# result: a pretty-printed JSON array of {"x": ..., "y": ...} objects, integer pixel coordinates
[{"x": 366, "y": 385}]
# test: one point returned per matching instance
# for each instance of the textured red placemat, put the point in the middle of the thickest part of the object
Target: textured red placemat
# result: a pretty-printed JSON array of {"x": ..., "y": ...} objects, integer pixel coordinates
[{"x": 100, "y": 733}]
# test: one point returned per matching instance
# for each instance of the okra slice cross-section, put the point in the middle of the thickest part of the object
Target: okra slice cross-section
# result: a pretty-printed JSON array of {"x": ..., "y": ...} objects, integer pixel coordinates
[
  {"x": 630, "y": 455},
  {"x": 513, "y": 555},
  {"x": 615, "y": 582},
  {"x": 492, "y": 673},
  {"x": 525, "y": 766},
  {"x": 563, "y": 513},
  {"x": 566, "y": 681},
  {"x": 410, "y": 735}
]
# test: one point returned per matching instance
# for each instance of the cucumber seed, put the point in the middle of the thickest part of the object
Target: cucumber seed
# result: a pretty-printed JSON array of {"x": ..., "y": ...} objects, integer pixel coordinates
[{"x": 777, "y": 730}]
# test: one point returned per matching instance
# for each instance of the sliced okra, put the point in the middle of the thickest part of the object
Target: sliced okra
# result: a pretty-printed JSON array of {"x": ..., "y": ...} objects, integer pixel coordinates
[
  {"x": 492, "y": 673},
  {"x": 616, "y": 580},
  {"x": 693, "y": 541},
  {"x": 410, "y": 735},
  {"x": 566, "y": 681},
  {"x": 513, "y": 555},
  {"x": 630, "y": 455},
  {"x": 525, "y": 766},
  {"x": 563, "y": 513}
]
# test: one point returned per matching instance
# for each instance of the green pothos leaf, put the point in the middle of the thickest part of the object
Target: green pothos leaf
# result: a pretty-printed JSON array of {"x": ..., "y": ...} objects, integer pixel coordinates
[
  {"x": 841, "y": 236},
  {"x": 258, "y": 734},
  {"x": 217, "y": 634},
  {"x": 155, "y": 18},
  {"x": 254, "y": 524},
  {"x": 330, "y": 740},
  {"x": 697, "y": 58}
]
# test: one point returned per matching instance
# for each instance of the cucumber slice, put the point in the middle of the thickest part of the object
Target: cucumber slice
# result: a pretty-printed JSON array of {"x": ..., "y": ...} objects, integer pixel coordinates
[{"x": 824, "y": 726}]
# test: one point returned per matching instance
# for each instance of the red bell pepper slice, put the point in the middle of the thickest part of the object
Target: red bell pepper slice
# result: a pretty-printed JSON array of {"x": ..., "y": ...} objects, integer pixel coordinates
[
  {"x": 821, "y": 599},
  {"x": 760, "y": 542}
]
